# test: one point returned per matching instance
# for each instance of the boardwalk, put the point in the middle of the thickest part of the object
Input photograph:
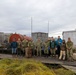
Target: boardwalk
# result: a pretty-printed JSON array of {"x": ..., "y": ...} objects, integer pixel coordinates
[{"x": 49, "y": 60}]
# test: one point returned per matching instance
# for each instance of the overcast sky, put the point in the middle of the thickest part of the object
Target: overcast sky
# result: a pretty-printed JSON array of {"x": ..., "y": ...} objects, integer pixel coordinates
[{"x": 15, "y": 16}]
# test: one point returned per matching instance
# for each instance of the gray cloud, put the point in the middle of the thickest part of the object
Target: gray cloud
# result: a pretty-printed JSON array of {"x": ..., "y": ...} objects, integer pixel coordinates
[{"x": 15, "y": 16}]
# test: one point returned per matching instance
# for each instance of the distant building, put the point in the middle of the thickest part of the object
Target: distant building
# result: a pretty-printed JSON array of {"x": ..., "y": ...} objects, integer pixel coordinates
[
  {"x": 4, "y": 37},
  {"x": 41, "y": 35},
  {"x": 71, "y": 34}
]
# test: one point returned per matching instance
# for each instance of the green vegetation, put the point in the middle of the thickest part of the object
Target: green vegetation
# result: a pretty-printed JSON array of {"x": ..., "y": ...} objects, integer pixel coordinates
[
  {"x": 23, "y": 67},
  {"x": 29, "y": 67}
]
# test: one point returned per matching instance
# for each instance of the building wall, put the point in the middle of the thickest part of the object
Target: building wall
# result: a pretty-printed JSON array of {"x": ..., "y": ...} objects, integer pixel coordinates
[
  {"x": 42, "y": 36},
  {"x": 71, "y": 34},
  {"x": 4, "y": 36}
]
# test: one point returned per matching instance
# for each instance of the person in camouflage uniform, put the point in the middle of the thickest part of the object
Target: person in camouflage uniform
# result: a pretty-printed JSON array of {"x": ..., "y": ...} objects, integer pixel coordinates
[
  {"x": 42, "y": 48},
  {"x": 25, "y": 46},
  {"x": 38, "y": 46},
  {"x": 19, "y": 48},
  {"x": 69, "y": 46},
  {"x": 47, "y": 47},
  {"x": 30, "y": 48},
  {"x": 33, "y": 47}
]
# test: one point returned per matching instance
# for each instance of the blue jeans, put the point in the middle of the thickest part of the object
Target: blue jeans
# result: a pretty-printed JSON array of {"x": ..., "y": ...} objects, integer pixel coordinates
[{"x": 14, "y": 50}]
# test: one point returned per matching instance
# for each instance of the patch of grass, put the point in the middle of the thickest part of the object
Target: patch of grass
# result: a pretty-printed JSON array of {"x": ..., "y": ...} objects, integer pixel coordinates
[
  {"x": 23, "y": 67},
  {"x": 30, "y": 67}
]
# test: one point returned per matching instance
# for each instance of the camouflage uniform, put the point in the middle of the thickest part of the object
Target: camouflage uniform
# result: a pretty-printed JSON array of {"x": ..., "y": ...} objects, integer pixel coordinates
[
  {"x": 38, "y": 45},
  {"x": 25, "y": 47},
  {"x": 24, "y": 44},
  {"x": 30, "y": 47},
  {"x": 47, "y": 47},
  {"x": 33, "y": 48},
  {"x": 19, "y": 48},
  {"x": 69, "y": 46},
  {"x": 42, "y": 48}
]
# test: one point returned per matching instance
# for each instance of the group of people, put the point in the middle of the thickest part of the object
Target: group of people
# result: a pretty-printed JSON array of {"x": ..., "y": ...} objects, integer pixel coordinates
[
  {"x": 51, "y": 47},
  {"x": 21, "y": 47},
  {"x": 65, "y": 49}
]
